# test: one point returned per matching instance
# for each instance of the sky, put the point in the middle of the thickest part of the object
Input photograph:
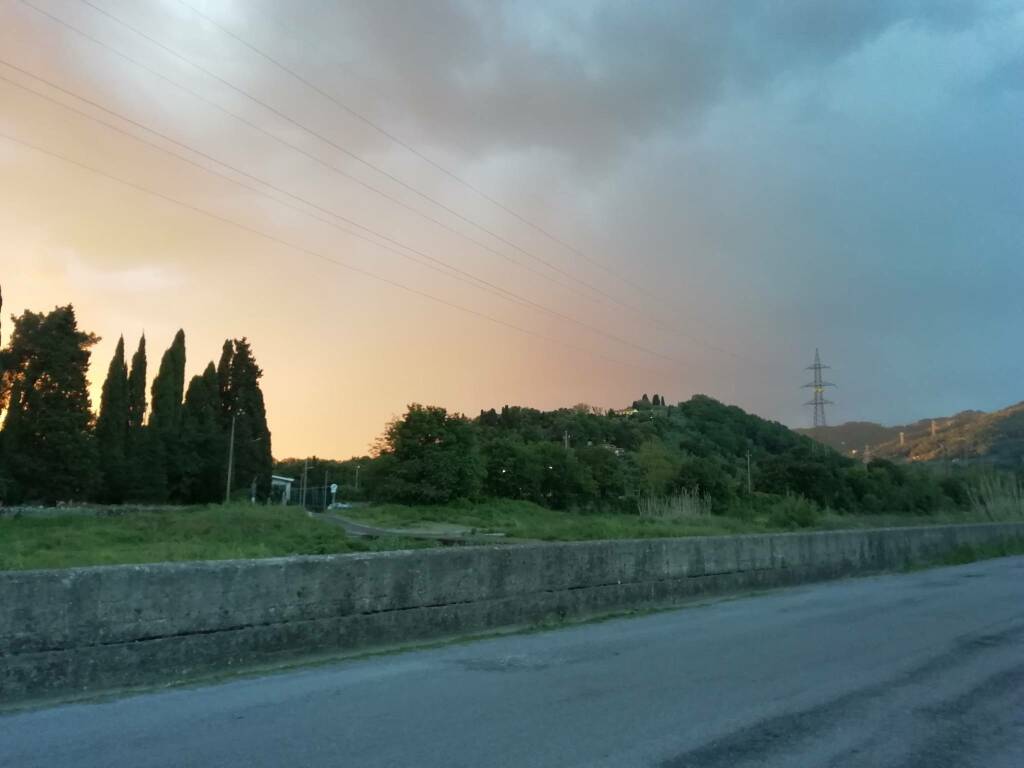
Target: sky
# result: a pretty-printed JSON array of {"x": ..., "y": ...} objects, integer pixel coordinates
[{"x": 559, "y": 202}]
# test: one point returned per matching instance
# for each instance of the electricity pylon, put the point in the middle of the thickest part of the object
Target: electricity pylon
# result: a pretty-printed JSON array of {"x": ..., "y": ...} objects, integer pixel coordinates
[{"x": 818, "y": 386}]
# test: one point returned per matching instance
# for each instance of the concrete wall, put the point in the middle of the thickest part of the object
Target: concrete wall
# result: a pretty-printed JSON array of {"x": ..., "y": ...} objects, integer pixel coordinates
[{"x": 70, "y": 632}]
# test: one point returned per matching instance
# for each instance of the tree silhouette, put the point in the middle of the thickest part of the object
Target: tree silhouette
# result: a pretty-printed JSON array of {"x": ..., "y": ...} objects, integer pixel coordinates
[
  {"x": 112, "y": 429},
  {"x": 48, "y": 448}
]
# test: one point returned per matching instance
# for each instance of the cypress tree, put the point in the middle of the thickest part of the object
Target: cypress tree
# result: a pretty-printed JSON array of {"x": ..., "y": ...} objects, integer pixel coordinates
[
  {"x": 243, "y": 401},
  {"x": 137, "y": 387},
  {"x": 203, "y": 443},
  {"x": 147, "y": 478},
  {"x": 49, "y": 449},
  {"x": 169, "y": 387},
  {"x": 112, "y": 429},
  {"x": 165, "y": 417},
  {"x": 227, "y": 352}
]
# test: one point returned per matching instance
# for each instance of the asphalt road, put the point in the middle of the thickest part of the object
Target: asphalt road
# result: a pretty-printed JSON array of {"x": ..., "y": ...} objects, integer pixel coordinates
[{"x": 922, "y": 670}]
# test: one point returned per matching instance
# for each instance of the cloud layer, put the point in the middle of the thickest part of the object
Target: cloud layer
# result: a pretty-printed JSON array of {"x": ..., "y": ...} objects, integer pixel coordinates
[{"x": 774, "y": 177}]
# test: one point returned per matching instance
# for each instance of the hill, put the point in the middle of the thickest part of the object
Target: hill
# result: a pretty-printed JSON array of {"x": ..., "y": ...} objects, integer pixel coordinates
[
  {"x": 851, "y": 437},
  {"x": 589, "y": 460},
  {"x": 995, "y": 438}
]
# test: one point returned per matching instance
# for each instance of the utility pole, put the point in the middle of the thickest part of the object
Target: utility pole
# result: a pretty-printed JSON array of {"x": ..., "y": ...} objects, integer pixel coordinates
[
  {"x": 750, "y": 484},
  {"x": 819, "y": 386},
  {"x": 357, "y": 477},
  {"x": 325, "y": 490},
  {"x": 305, "y": 482},
  {"x": 231, "y": 461},
  {"x": 565, "y": 439}
]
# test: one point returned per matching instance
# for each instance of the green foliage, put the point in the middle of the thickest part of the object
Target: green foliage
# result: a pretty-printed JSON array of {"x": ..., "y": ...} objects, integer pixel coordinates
[
  {"x": 238, "y": 381},
  {"x": 706, "y": 476},
  {"x": 525, "y": 520},
  {"x": 436, "y": 457},
  {"x": 203, "y": 442},
  {"x": 144, "y": 471},
  {"x": 227, "y": 352},
  {"x": 609, "y": 472},
  {"x": 658, "y": 466},
  {"x": 165, "y": 419},
  {"x": 169, "y": 388},
  {"x": 112, "y": 429},
  {"x": 582, "y": 459},
  {"x": 200, "y": 533},
  {"x": 997, "y": 497},
  {"x": 137, "y": 388},
  {"x": 793, "y": 512},
  {"x": 561, "y": 481},
  {"x": 51, "y": 449},
  {"x": 48, "y": 450}
]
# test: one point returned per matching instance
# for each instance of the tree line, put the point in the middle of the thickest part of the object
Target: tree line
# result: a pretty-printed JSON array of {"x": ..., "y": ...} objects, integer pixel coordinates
[
  {"x": 586, "y": 459},
  {"x": 167, "y": 443}
]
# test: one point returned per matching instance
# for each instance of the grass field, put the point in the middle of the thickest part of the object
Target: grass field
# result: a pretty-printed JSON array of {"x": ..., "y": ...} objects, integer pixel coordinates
[
  {"x": 200, "y": 533},
  {"x": 245, "y": 531},
  {"x": 525, "y": 520}
]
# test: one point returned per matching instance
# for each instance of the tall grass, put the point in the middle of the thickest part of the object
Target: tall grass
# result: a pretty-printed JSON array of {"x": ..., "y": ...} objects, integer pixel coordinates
[
  {"x": 195, "y": 533},
  {"x": 683, "y": 505},
  {"x": 997, "y": 497}
]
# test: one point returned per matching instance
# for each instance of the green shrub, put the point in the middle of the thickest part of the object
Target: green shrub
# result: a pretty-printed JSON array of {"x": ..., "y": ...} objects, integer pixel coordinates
[
  {"x": 794, "y": 512},
  {"x": 998, "y": 497}
]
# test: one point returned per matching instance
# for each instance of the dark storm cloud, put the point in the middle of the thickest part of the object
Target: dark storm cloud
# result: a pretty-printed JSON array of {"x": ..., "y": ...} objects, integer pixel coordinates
[
  {"x": 840, "y": 174},
  {"x": 843, "y": 174},
  {"x": 587, "y": 79}
]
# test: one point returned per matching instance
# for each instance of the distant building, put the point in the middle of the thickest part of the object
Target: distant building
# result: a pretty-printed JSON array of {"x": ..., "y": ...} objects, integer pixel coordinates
[{"x": 283, "y": 485}]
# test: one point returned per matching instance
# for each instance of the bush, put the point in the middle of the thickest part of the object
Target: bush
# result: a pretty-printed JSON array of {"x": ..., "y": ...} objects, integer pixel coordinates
[
  {"x": 998, "y": 497},
  {"x": 707, "y": 479},
  {"x": 957, "y": 491},
  {"x": 794, "y": 512}
]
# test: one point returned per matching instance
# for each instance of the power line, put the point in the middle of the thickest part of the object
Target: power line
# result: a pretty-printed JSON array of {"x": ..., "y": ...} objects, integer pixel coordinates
[
  {"x": 309, "y": 252},
  {"x": 330, "y": 142},
  {"x": 472, "y": 280},
  {"x": 487, "y": 285},
  {"x": 200, "y": 153},
  {"x": 422, "y": 156},
  {"x": 295, "y": 147},
  {"x": 397, "y": 180}
]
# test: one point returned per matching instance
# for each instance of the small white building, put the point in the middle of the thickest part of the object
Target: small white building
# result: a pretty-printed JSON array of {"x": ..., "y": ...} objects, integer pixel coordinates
[{"x": 284, "y": 484}]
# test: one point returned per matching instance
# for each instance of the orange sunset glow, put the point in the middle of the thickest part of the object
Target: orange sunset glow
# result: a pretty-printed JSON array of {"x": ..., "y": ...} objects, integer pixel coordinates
[{"x": 384, "y": 236}]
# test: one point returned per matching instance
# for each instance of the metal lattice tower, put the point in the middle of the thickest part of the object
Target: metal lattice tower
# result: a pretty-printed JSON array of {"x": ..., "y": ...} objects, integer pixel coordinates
[{"x": 818, "y": 386}]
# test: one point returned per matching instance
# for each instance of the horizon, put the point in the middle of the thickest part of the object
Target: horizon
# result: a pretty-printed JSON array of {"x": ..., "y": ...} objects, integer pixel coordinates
[{"x": 719, "y": 204}]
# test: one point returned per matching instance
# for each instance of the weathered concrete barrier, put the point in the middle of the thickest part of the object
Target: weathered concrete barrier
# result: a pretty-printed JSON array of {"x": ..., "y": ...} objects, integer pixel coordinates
[{"x": 83, "y": 630}]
